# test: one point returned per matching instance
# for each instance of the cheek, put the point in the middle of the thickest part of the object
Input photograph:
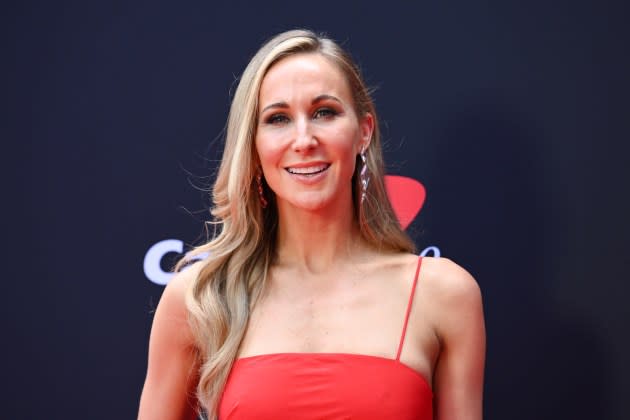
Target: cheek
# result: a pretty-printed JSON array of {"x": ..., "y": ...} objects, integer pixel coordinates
[
  {"x": 269, "y": 152},
  {"x": 347, "y": 145}
]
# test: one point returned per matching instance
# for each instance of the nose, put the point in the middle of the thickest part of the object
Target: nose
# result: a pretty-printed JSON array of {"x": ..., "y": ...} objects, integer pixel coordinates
[{"x": 304, "y": 139}]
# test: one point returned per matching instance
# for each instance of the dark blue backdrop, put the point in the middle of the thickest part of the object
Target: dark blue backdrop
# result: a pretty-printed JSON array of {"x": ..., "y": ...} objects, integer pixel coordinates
[{"x": 513, "y": 115}]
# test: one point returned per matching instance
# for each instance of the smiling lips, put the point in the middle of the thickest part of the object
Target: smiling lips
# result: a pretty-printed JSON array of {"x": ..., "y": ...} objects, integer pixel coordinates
[{"x": 308, "y": 170}]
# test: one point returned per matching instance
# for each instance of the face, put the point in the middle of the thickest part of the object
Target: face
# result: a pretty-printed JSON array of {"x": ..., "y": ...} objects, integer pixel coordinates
[{"x": 308, "y": 133}]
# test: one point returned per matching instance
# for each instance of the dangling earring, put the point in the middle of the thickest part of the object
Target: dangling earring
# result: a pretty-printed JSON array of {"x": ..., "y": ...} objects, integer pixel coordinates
[
  {"x": 261, "y": 193},
  {"x": 364, "y": 176}
]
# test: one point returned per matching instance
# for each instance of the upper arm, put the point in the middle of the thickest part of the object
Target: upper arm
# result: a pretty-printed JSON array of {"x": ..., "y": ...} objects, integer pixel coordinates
[
  {"x": 171, "y": 379},
  {"x": 459, "y": 323}
]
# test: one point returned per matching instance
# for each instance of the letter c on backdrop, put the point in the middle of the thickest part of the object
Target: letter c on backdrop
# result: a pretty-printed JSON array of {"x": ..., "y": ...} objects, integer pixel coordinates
[{"x": 153, "y": 257}]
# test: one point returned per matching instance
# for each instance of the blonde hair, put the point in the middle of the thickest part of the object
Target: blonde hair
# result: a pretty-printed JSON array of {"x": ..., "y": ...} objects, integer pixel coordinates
[{"x": 233, "y": 276}]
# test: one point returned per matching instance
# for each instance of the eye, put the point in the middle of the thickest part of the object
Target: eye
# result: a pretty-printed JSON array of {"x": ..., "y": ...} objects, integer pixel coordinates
[
  {"x": 277, "y": 119},
  {"x": 325, "y": 113}
]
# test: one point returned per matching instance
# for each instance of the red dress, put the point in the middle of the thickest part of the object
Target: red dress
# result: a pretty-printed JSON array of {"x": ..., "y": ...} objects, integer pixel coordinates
[{"x": 327, "y": 386}]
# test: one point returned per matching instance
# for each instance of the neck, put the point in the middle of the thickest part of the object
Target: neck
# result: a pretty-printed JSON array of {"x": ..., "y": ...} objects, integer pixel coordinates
[{"x": 317, "y": 241}]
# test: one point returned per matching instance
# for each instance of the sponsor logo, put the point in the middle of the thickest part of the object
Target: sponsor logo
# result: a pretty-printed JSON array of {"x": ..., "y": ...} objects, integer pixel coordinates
[{"x": 407, "y": 197}]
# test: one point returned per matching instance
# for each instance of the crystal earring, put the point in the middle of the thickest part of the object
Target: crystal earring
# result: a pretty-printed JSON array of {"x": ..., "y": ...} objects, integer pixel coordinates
[{"x": 364, "y": 176}]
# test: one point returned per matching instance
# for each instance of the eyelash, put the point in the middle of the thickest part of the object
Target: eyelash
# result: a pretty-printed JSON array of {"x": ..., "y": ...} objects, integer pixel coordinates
[
  {"x": 327, "y": 112},
  {"x": 320, "y": 113},
  {"x": 276, "y": 119}
]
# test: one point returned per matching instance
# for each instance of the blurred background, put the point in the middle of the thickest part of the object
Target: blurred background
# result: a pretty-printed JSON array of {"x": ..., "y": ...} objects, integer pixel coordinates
[{"x": 513, "y": 115}]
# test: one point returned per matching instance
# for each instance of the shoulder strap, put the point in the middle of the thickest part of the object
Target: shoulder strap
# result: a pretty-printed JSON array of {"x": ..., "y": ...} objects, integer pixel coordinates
[{"x": 413, "y": 292}]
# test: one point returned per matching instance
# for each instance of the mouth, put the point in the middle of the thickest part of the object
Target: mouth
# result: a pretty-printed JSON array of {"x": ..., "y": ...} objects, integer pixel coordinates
[{"x": 308, "y": 170}]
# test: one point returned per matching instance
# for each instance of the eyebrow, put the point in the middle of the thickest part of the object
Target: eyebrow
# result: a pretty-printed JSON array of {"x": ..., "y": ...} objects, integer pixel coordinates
[
  {"x": 315, "y": 100},
  {"x": 325, "y": 97}
]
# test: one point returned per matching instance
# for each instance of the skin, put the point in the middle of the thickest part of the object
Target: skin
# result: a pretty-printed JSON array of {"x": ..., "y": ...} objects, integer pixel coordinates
[
  {"x": 171, "y": 377},
  {"x": 329, "y": 291}
]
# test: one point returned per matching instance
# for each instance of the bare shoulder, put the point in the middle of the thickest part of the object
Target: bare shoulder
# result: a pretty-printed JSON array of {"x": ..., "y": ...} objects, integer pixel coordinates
[
  {"x": 440, "y": 279},
  {"x": 177, "y": 287},
  {"x": 447, "y": 281},
  {"x": 453, "y": 299},
  {"x": 172, "y": 308}
]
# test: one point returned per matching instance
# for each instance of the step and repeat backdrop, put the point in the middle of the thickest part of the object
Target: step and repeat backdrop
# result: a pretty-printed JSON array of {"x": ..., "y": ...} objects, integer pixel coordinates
[{"x": 505, "y": 128}]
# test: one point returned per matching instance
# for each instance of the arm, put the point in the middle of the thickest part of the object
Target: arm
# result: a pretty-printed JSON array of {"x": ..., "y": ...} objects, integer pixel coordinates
[
  {"x": 169, "y": 387},
  {"x": 458, "y": 375}
]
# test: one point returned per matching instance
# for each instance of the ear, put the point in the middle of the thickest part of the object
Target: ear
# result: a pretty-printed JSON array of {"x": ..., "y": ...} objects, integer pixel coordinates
[{"x": 366, "y": 127}]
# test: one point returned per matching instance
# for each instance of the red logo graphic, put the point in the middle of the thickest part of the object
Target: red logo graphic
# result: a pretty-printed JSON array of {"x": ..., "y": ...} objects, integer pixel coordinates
[{"x": 407, "y": 197}]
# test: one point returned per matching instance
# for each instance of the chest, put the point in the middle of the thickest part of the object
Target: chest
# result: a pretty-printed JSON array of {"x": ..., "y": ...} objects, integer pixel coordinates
[{"x": 328, "y": 319}]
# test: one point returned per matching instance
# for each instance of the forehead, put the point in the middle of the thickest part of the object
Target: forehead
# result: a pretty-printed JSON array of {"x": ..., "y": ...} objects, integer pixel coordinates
[{"x": 307, "y": 74}]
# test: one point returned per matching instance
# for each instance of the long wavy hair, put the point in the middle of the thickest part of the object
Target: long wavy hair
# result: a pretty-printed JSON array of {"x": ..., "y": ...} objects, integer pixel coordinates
[{"x": 234, "y": 274}]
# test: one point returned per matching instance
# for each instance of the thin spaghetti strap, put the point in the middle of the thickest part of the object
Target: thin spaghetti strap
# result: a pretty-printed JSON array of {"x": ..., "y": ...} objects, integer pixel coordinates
[{"x": 413, "y": 292}]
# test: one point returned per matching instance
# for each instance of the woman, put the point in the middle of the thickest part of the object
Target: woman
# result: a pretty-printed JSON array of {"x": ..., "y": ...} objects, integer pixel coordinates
[{"x": 311, "y": 304}]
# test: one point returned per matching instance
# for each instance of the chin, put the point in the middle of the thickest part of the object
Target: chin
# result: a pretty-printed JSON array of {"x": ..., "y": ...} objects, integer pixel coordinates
[{"x": 311, "y": 202}]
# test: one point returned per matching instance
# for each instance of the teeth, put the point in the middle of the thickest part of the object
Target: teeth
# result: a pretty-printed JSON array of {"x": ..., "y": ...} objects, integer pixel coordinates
[{"x": 308, "y": 170}]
